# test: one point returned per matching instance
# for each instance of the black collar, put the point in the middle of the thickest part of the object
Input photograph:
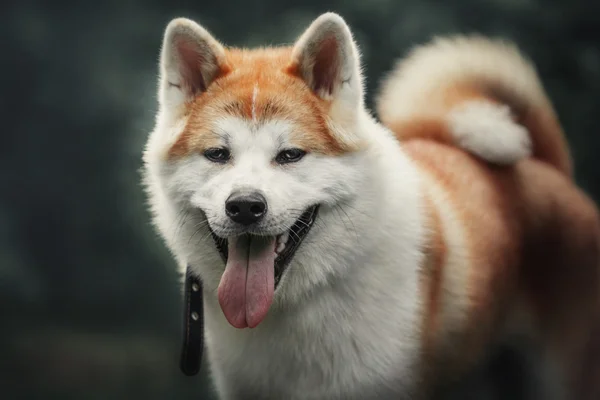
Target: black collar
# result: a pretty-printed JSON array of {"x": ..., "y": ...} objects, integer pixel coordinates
[{"x": 193, "y": 325}]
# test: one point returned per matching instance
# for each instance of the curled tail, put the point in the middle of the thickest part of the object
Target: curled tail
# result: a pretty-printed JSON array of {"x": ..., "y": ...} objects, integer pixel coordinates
[{"x": 476, "y": 93}]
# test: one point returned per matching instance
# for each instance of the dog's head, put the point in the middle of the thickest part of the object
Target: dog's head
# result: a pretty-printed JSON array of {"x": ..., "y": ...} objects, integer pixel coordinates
[{"x": 250, "y": 150}]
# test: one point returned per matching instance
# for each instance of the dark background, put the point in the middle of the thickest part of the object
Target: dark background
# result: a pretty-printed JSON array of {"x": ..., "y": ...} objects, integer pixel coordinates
[{"x": 89, "y": 300}]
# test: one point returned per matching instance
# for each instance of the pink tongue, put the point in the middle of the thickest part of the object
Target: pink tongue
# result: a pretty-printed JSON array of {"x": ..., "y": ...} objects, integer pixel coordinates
[{"x": 246, "y": 288}]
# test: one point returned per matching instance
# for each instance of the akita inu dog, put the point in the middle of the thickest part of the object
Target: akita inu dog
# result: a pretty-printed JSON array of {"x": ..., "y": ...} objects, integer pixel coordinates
[{"x": 370, "y": 260}]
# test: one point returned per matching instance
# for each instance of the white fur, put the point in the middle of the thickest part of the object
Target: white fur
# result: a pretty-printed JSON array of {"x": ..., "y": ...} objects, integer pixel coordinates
[
  {"x": 408, "y": 88},
  {"x": 488, "y": 131},
  {"x": 415, "y": 89}
]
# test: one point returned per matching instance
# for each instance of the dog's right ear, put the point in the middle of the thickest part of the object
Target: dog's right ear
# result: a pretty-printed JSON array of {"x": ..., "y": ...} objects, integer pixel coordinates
[
  {"x": 327, "y": 59},
  {"x": 191, "y": 59}
]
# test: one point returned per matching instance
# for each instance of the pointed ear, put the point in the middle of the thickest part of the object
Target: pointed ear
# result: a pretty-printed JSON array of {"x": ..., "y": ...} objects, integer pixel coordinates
[
  {"x": 191, "y": 59},
  {"x": 326, "y": 57}
]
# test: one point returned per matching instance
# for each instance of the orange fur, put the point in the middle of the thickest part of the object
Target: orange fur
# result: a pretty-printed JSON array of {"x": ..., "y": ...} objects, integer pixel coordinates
[
  {"x": 530, "y": 236},
  {"x": 258, "y": 85}
]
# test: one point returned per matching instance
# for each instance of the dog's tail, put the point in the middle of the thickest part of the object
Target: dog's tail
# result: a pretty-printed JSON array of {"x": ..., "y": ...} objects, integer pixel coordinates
[{"x": 476, "y": 93}]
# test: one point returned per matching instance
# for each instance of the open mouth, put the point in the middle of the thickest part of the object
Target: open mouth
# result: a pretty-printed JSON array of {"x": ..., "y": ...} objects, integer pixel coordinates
[{"x": 286, "y": 244}]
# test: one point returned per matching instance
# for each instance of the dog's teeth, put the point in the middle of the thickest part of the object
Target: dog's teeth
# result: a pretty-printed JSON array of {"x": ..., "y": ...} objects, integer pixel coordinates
[
  {"x": 284, "y": 238},
  {"x": 280, "y": 248},
  {"x": 281, "y": 241}
]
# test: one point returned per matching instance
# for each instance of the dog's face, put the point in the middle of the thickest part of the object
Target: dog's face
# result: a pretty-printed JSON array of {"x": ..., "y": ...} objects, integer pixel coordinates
[
  {"x": 251, "y": 146},
  {"x": 256, "y": 179}
]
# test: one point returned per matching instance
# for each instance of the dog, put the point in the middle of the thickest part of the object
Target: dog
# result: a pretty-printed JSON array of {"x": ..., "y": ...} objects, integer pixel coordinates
[{"x": 346, "y": 258}]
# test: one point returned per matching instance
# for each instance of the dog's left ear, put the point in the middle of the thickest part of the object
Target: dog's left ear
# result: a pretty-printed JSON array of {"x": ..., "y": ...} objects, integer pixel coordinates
[{"x": 327, "y": 59}]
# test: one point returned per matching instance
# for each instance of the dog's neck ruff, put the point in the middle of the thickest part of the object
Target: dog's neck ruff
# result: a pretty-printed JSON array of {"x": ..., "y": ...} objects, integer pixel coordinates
[{"x": 193, "y": 327}]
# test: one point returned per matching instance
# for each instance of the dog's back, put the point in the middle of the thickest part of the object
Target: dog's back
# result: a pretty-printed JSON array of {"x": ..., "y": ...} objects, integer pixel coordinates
[{"x": 514, "y": 244}]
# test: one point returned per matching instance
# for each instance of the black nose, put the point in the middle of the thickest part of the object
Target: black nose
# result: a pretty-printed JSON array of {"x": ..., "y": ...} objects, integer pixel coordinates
[{"x": 246, "y": 208}]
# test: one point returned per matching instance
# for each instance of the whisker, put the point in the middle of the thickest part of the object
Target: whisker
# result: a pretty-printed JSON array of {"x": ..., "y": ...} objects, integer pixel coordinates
[
  {"x": 341, "y": 210},
  {"x": 180, "y": 220},
  {"x": 197, "y": 228}
]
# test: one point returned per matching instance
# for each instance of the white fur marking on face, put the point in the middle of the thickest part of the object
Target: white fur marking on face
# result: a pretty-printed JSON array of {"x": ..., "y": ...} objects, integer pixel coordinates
[
  {"x": 254, "y": 96},
  {"x": 488, "y": 131}
]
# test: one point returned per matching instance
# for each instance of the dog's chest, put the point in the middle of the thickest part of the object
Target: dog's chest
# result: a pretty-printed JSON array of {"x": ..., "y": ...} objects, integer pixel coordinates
[{"x": 314, "y": 358}]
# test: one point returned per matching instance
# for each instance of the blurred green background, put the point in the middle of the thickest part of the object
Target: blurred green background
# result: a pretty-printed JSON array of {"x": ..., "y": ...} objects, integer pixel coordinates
[{"x": 89, "y": 297}]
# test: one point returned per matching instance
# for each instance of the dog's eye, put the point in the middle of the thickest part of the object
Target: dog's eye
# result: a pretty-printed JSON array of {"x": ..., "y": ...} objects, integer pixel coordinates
[
  {"x": 290, "y": 156},
  {"x": 218, "y": 155}
]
